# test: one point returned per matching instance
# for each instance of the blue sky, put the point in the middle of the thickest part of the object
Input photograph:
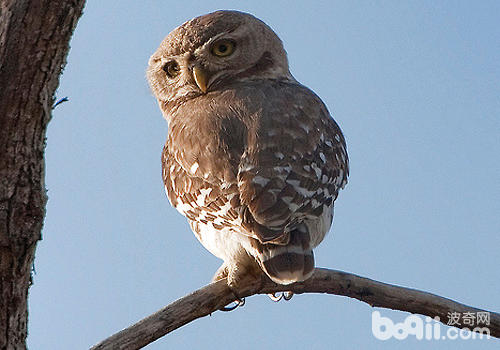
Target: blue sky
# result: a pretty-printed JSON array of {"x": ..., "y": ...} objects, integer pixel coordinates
[{"x": 414, "y": 86}]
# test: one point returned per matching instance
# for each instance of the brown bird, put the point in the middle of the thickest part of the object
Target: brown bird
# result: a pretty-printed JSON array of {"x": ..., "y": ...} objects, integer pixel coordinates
[{"x": 253, "y": 158}]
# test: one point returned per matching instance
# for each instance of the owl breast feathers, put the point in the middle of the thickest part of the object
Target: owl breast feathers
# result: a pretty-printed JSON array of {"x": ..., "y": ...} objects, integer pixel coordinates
[{"x": 253, "y": 159}]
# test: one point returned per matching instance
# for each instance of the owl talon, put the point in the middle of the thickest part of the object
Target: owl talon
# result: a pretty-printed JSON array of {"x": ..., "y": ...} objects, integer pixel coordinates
[
  {"x": 237, "y": 303},
  {"x": 241, "y": 302},
  {"x": 287, "y": 295},
  {"x": 275, "y": 297}
]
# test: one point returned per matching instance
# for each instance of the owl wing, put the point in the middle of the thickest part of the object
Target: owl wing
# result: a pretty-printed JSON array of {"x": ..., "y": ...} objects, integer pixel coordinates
[
  {"x": 196, "y": 198},
  {"x": 295, "y": 166},
  {"x": 199, "y": 163}
]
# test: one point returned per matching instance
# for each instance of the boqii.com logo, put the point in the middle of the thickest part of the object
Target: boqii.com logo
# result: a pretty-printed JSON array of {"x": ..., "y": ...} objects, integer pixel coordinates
[{"x": 474, "y": 325}]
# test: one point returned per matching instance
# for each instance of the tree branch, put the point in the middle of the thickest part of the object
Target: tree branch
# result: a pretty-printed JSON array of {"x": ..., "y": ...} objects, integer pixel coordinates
[{"x": 214, "y": 296}]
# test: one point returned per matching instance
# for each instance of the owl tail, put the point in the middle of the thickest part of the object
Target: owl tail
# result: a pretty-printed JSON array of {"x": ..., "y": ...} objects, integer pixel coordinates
[{"x": 290, "y": 263}]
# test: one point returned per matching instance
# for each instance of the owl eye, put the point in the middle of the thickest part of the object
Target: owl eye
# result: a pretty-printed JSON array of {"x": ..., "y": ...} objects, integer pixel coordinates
[
  {"x": 172, "y": 69},
  {"x": 223, "y": 48}
]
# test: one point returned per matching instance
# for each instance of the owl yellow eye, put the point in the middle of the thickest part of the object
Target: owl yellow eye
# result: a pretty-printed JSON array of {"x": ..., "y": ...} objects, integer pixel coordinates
[
  {"x": 223, "y": 48},
  {"x": 172, "y": 69}
]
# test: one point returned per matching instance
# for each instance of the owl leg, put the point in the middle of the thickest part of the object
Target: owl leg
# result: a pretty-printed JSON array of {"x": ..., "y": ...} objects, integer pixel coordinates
[
  {"x": 238, "y": 271},
  {"x": 221, "y": 273},
  {"x": 229, "y": 272}
]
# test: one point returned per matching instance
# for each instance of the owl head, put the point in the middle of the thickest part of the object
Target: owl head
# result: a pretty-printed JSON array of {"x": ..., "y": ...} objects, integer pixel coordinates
[{"x": 212, "y": 52}]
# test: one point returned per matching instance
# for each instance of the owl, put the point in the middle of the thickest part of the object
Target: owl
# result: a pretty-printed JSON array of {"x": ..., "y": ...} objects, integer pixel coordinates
[{"x": 253, "y": 159}]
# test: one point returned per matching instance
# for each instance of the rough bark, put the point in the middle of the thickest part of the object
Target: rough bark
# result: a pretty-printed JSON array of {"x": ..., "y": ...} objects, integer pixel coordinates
[
  {"x": 34, "y": 42},
  {"x": 213, "y": 297}
]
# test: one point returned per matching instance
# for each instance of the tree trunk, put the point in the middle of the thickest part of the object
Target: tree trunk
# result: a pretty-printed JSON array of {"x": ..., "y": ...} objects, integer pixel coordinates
[{"x": 34, "y": 42}]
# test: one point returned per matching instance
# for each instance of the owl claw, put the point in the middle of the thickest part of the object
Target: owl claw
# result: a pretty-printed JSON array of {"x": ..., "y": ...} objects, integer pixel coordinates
[
  {"x": 237, "y": 303},
  {"x": 285, "y": 295},
  {"x": 275, "y": 297}
]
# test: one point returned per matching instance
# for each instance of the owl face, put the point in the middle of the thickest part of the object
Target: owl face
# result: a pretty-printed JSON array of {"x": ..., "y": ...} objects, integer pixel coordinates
[{"x": 212, "y": 52}]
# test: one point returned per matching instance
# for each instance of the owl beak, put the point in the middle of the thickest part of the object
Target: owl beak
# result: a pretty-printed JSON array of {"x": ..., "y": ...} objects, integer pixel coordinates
[{"x": 201, "y": 78}]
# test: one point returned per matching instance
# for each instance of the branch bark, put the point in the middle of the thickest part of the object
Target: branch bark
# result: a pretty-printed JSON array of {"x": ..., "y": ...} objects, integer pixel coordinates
[
  {"x": 34, "y": 42},
  {"x": 214, "y": 296}
]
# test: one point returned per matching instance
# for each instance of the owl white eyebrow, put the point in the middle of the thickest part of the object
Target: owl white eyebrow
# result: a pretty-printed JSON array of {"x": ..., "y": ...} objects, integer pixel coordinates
[{"x": 166, "y": 59}]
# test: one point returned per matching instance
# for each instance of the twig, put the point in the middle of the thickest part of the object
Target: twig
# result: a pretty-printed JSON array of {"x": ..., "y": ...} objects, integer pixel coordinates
[
  {"x": 214, "y": 296},
  {"x": 62, "y": 100}
]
